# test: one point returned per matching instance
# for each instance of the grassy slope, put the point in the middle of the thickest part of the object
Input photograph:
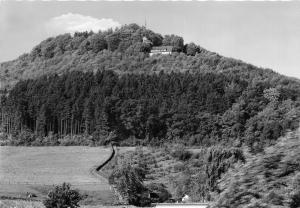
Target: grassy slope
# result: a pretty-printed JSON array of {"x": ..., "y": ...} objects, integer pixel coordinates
[{"x": 30, "y": 204}]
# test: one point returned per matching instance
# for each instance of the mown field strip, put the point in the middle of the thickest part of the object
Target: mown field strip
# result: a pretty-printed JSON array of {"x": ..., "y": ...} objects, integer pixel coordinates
[
  {"x": 51, "y": 165},
  {"x": 31, "y": 204}
]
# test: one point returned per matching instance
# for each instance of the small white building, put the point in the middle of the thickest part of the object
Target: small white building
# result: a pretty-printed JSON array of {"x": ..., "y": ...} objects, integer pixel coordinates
[
  {"x": 186, "y": 199},
  {"x": 182, "y": 205},
  {"x": 164, "y": 50}
]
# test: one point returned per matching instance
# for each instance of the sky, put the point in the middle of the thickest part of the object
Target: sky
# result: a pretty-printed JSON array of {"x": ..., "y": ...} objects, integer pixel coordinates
[{"x": 266, "y": 34}]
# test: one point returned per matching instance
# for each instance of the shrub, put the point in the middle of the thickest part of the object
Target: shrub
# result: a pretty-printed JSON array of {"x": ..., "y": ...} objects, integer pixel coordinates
[
  {"x": 24, "y": 137},
  {"x": 181, "y": 154},
  {"x": 295, "y": 200},
  {"x": 63, "y": 197},
  {"x": 160, "y": 190},
  {"x": 179, "y": 167},
  {"x": 4, "y": 139},
  {"x": 50, "y": 140},
  {"x": 197, "y": 163},
  {"x": 69, "y": 140}
]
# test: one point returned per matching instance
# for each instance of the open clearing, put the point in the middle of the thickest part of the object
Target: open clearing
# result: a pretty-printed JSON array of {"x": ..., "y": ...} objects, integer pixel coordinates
[{"x": 36, "y": 169}]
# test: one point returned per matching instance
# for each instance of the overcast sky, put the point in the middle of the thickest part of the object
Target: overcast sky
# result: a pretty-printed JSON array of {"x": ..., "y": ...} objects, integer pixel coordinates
[{"x": 265, "y": 34}]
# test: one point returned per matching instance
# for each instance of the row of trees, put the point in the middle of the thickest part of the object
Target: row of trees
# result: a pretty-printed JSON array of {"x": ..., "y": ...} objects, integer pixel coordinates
[{"x": 194, "y": 109}]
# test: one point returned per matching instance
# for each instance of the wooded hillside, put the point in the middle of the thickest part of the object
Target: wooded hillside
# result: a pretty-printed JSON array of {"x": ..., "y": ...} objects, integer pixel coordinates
[
  {"x": 194, "y": 109},
  {"x": 121, "y": 50},
  {"x": 93, "y": 83}
]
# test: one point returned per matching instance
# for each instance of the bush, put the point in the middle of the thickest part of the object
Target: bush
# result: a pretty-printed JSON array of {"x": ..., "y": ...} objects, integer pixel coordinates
[
  {"x": 69, "y": 140},
  {"x": 179, "y": 167},
  {"x": 295, "y": 200},
  {"x": 161, "y": 192},
  {"x": 63, "y": 197},
  {"x": 182, "y": 154},
  {"x": 24, "y": 137}
]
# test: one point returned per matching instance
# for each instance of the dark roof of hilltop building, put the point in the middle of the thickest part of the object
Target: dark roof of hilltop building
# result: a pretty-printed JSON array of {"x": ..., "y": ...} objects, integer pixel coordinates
[{"x": 162, "y": 48}]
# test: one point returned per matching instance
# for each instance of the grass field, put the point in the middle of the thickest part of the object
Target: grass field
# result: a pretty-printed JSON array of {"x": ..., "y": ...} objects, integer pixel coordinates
[
  {"x": 37, "y": 169},
  {"x": 28, "y": 204}
]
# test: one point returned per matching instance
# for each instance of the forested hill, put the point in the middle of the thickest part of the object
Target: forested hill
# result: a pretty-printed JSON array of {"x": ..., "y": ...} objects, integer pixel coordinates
[
  {"x": 90, "y": 84},
  {"x": 121, "y": 50}
]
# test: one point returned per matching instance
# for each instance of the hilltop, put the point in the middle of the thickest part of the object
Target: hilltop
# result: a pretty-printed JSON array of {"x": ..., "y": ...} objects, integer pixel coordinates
[{"x": 121, "y": 50}]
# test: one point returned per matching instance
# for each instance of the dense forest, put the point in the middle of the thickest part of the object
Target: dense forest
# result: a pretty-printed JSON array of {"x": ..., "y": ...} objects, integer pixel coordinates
[
  {"x": 204, "y": 109},
  {"x": 89, "y": 84}
]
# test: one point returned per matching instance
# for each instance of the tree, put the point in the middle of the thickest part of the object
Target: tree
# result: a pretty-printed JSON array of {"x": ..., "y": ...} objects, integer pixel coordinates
[
  {"x": 218, "y": 161},
  {"x": 101, "y": 127},
  {"x": 175, "y": 41},
  {"x": 98, "y": 42},
  {"x": 88, "y": 115},
  {"x": 295, "y": 198},
  {"x": 128, "y": 183},
  {"x": 192, "y": 49},
  {"x": 113, "y": 40},
  {"x": 271, "y": 94},
  {"x": 62, "y": 196},
  {"x": 41, "y": 121}
]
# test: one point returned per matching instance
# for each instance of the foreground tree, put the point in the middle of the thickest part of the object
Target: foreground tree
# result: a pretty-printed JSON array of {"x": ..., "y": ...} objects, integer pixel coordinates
[
  {"x": 129, "y": 184},
  {"x": 63, "y": 197},
  {"x": 269, "y": 179}
]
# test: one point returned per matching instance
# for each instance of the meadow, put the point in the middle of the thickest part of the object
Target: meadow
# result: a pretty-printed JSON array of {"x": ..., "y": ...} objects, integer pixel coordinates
[
  {"x": 31, "y": 204},
  {"x": 36, "y": 169}
]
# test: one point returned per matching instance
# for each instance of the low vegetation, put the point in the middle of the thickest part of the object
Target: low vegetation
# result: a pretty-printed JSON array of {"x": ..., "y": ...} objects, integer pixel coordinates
[
  {"x": 196, "y": 175},
  {"x": 62, "y": 196},
  {"x": 38, "y": 204},
  {"x": 228, "y": 177}
]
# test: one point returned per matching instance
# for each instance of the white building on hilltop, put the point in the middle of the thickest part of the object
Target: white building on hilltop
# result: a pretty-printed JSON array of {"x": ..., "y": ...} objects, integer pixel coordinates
[{"x": 164, "y": 50}]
